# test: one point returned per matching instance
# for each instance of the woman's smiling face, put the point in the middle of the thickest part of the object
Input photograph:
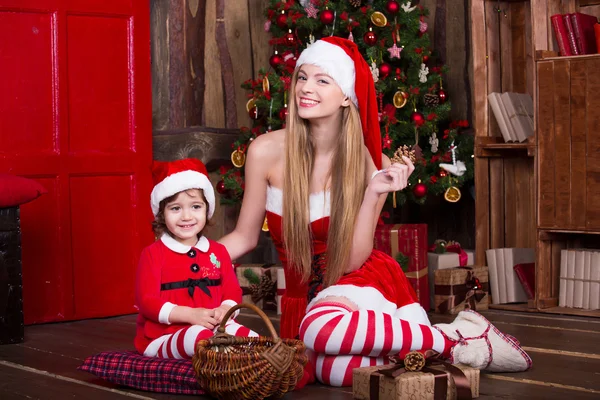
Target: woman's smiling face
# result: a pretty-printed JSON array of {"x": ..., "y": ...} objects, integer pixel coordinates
[{"x": 317, "y": 94}]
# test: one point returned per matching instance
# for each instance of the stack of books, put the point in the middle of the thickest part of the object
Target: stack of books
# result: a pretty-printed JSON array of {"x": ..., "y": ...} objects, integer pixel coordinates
[
  {"x": 514, "y": 114},
  {"x": 579, "y": 285},
  {"x": 512, "y": 276},
  {"x": 575, "y": 33}
]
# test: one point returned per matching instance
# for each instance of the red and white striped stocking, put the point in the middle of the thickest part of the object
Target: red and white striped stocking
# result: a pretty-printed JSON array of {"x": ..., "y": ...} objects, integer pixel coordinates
[{"x": 334, "y": 329}]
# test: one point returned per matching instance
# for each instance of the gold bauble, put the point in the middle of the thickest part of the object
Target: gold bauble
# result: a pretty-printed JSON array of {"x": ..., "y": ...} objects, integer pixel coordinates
[
  {"x": 378, "y": 19},
  {"x": 452, "y": 194},
  {"x": 238, "y": 158},
  {"x": 400, "y": 99}
]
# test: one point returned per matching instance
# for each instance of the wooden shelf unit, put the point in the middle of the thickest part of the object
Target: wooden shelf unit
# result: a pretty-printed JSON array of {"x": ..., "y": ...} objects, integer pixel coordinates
[{"x": 543, "y": 193}]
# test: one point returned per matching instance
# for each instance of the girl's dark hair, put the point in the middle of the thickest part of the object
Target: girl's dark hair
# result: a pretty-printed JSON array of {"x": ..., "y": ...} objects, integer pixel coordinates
[{"x": 160, "y": 227}]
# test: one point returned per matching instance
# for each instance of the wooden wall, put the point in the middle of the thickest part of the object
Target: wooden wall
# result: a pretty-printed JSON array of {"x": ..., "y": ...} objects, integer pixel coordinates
[{"x": 202, "y": 51}]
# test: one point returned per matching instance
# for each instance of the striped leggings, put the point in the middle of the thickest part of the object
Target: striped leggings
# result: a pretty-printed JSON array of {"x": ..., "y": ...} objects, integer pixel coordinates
[
  {"x": 343, "y": 339},
  {"x": 182, "y": 344}
]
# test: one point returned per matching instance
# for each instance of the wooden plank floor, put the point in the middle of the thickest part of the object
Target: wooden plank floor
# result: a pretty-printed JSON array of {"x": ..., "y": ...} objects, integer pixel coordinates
[{"x": 565, "y": 353}]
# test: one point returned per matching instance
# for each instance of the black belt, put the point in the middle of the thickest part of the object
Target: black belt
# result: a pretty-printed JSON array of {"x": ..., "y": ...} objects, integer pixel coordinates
[{"x": 191, "y": 284}]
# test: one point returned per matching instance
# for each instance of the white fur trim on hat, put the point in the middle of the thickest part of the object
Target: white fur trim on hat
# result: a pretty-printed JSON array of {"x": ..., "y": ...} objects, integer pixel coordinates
[
  {"x": 180, "y": 181},
  {"x": 334, "y": 61}
]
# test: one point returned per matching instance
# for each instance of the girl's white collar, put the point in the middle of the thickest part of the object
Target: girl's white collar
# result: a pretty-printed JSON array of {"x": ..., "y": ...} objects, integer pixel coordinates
[{"x": 178, "y": 247}]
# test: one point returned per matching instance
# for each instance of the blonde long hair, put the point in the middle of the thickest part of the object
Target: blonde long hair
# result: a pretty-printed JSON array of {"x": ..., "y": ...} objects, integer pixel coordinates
[{"x": 346, "y": 190}]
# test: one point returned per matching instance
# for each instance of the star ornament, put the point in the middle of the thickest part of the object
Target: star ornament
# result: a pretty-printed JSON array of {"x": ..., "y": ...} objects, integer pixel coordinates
[
  {"x": 311, "y": 11},
  {"x": 394, "y": 51}
]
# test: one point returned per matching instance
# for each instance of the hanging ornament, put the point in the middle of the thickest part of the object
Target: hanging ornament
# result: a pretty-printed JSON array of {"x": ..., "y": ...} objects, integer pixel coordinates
[
  {"x": 434, "y": 142},
  {"x": 425, "y": 58},
  {"x": 442, "y": 173},
  {"x": 378, "y": 19},
  {"x": 253, "y": 112},
  {"x": 265, "y": 84},
  {"x": 238, "y": 158},
  {"x": 422, "y": 26},
  {"x": 395, "y": 50},
  {"x": 387, "y": 141},
  {"x": 420, "y": 190},
  {"x": 442, "y": 96},
  {"x": 374, "y": 72},
  {"x": 290, "y": 38},
  {"x": 327, "y": 17},
  {"x": 283, "y": 113},
  {"x": 431, "y": 100},
  {"x": 417, "y": 118},
  {"x": 221, "y": 187},
  {"x": 311, "y": 10},
  {"x": 370, "y": 38},
  {"x": 400, "y": 99},
  {"x": 282, "y": 20},
  {"x": 265, "y": 225},
  {"x": 355, "y": 3},
  {"x": 276, "y": 60},
  {"x": 407, "y": 7},
  {"x": 457, "y": 168},
  {"x": 392, "y": 7},
  {"x": 384, "y": 70},
  {"x": 351, "y": 37},
  {"x": 452, "y": 194},
  {"x": 423, "y": 72},
  {"x": 250, "y": 103}
]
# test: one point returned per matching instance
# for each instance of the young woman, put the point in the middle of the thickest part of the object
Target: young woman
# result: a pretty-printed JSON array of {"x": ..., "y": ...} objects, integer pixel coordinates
[
  {"x": 185, "y": 282},
  {"x": 322, "y": 182}
]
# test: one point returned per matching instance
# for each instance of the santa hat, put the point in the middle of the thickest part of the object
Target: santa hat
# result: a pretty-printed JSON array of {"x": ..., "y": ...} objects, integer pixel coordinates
[
  {"x": 171, "y": 177},
  {"x": 341, "y": 59}
]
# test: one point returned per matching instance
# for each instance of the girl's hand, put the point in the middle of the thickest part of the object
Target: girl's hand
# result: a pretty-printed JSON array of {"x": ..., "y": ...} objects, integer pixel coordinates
[
  {"x": 393, "y": 178},
  {"x": 220, "y": 312},
  {"x": 204, "y": 317}
]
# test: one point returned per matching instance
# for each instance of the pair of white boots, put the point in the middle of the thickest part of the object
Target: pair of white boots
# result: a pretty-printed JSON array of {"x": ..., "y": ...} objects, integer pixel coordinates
[{"x": 481, "y": 345}]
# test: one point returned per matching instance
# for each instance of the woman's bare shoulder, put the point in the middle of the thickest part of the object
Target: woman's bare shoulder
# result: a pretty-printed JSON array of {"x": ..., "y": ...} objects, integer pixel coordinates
[{"x": 269, "y": 145}]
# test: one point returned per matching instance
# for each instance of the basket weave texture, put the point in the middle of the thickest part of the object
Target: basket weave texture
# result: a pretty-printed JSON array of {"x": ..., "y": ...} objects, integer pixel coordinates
[{"x": 234, "y": 367}]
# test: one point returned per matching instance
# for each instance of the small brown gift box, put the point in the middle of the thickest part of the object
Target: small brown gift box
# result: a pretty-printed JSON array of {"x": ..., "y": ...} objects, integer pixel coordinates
[
  {"x": 459, "y": 288},
  {"x": 370, "y": 384}
]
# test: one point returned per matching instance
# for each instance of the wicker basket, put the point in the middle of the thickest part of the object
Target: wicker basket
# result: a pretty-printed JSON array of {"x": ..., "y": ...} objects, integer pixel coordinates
[{"x": 234, "y": 367}]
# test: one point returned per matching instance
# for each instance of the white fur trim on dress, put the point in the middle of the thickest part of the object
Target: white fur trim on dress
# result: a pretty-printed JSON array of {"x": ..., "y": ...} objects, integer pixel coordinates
[
  {"x": 335, "y": 62},
  {"x": 180, "y": 181},
  {"x": 165, "y": 313},
  {"x": 319, "y": 203}
]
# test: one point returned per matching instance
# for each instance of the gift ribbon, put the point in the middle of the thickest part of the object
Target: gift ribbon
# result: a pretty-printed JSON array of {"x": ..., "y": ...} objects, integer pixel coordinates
[
  {"x": 471, "y": 291},
  {"x": 441, "y": 377},
  {"x": 463, "y": 257}
]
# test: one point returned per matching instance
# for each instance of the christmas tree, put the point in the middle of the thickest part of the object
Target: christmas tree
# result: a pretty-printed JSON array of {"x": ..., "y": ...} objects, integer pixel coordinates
[{"x": 414, "y": 108}]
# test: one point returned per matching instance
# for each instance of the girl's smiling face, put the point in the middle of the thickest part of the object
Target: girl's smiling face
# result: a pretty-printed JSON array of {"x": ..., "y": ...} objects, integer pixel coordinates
[
  {"x": 317, "y": 94},
  {"x": 185, "y": 216}
]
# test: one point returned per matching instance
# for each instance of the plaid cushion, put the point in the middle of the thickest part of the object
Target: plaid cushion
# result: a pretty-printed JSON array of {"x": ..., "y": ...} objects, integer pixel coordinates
[{"x": 146, "y": 373}]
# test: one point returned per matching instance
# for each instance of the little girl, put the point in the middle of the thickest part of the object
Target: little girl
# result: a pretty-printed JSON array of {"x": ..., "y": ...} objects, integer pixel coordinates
[{"x": 185, "y": 282}]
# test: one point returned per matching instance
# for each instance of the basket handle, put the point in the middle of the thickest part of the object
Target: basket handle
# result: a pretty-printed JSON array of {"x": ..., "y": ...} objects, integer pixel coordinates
[{"x": 254, "y": 308}]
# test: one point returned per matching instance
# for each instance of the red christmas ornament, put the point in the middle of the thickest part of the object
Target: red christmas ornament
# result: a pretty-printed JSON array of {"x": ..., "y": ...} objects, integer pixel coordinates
[
  {"x": 425, "y": 59},
  {"x": 417, "y": 118},
  {"x": 253, "y": 112},
  {"x": 327, "y": 17},
  {"x": 442, "y": 173},
  {"x": 276, "y": 60},
  {"x": 384, "y": 70},
  {"x": 392, "y": 7},
  {"x": 442, "y": 96},
  {"x": 290, "y": 38},
  {"x": 370, "y": 38},
  {"x": 281, "y": 21},
  {"x": 221, "y": 187},
  {"x": 283, "y": 114},
  {"x": 419, "y": 190}
]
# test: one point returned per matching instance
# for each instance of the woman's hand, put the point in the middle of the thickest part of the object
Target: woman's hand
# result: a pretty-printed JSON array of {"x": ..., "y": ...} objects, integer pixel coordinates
[{"x": 393, "y": 178}]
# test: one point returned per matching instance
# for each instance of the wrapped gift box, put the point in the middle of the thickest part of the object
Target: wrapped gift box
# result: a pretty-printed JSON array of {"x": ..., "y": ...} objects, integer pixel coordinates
[
  {"x": 446, "y": 260},
  {"x": 459, "y": 288},
  {"x": 370, "y": 384},
  {"x": 280, "y": 288},
  {"x": 259, "y": 284},
  {"x": 411, "y": 241}
]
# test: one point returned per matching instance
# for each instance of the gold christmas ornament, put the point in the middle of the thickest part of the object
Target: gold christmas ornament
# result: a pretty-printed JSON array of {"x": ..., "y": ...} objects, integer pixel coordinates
[
  {"x": 403, "y": 151},
  {"x": 400, "y": 99},
  {"x": 250, "y": 104},
  {"x": 238, "y": 158},
  {"x": 452, "y": 194},
  {"x": 265, "y": 226},
  {"x": 378, "y": 19},
  {"x": 265, "y": 84}
]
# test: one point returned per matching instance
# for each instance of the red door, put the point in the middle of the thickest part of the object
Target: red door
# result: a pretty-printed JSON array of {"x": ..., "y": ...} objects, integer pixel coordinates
[{"x": 75, "y": 115}]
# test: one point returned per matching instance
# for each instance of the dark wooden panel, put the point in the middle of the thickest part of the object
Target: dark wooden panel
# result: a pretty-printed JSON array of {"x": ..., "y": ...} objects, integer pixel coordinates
[
  {"x": 593, "y": 145},
  {"x": 562, "y": 137},
  {"x": 545, "y": 138},
  {"x": 578, "y": 110}
]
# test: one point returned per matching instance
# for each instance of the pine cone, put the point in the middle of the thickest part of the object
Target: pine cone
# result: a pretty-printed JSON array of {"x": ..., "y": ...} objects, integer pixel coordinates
[
  {"x": 403, "y": 151},
  {"x": 431, "y": 99},
  {"x": 267, "y": 285},
  {"x": 414, "y": 361},
  {"x": 355, "y": 3}
]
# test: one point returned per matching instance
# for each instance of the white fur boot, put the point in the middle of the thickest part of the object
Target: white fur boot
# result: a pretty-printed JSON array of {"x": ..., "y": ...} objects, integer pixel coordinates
[{"x": 481, "y": 345}]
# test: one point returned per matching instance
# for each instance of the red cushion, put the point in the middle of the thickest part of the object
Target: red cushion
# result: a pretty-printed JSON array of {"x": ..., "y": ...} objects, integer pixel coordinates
[
  {"x": 145, "y": 373},
  {"x": 16, "y": 190}
]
